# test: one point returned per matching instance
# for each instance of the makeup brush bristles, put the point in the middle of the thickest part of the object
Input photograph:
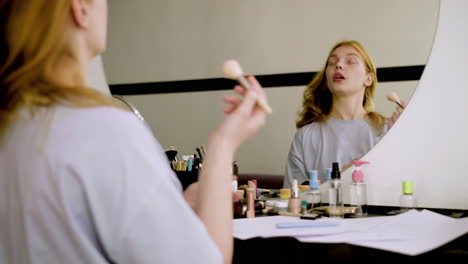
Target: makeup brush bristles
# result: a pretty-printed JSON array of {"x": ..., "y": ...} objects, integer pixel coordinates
[
  {"x": 232, "y": 70},
  {"x": 393, "y": 97}
]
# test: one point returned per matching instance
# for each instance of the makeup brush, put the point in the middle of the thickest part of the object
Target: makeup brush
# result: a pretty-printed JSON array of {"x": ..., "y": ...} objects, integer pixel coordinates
[
  {"x": 393, "y": 97},
  {"x": 171, "y": 153},
  {"x": 232, "y": 70}
]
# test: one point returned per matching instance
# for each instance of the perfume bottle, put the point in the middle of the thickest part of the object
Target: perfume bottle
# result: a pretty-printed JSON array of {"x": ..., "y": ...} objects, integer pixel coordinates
[{"x": 335, "y": 193}]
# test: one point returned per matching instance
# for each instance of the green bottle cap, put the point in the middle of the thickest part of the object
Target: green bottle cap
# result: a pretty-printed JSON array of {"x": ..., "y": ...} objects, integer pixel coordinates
[{"x": 407, "y": 187}]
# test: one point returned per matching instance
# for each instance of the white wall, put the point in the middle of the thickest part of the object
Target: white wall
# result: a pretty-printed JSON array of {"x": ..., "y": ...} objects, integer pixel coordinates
[{"x": 164, "y": 40}]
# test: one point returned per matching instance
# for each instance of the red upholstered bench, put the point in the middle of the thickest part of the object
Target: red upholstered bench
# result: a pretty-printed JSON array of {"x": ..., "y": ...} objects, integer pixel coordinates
[{"x": 266, "y": 181}]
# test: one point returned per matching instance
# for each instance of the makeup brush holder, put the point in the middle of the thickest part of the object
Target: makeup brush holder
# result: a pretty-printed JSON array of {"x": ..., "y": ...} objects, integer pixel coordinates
[{"x": 187, "y": 177}]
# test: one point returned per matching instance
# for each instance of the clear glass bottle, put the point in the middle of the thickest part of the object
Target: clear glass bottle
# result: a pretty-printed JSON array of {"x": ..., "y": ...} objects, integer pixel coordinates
[
  {"x": 407, "y": 199},
  {"x": 325, "y": 186},
  {"x": 313, "y": 196},
  {"x": 335, "y": 193},
  {"x": 358, "y": 189},
  {"x": 358, "y": 197}
]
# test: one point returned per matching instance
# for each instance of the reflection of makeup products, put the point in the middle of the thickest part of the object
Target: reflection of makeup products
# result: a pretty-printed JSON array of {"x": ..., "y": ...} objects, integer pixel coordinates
[
  {"x": 336, "y": 193},
  {"x": 250, "y": 205},
  {"x": 295, "y": 201},
  {"x": 241, "y": 194},
  {"x": 393, "y": 97},
  {"x": 233, "y": 70},
  {"x": 285, "y": 194},
  {"x": 235, "y": 169},
  {"x": 312, "y": 216},
  {"x": 328, "y": 210},
  {"x": 171, "y": 154},
  {"x": 357, "y": 189},
  {"x": 200, "y": 154},
  {"x": 252, "y": 186},
  {"x": 313, "y": 196},
  {"x": 407, "y": 199},
  {"x": 281, "y": 205},
  {"x": 289, "y": 214},
  {"x": 234, "y": 186}
]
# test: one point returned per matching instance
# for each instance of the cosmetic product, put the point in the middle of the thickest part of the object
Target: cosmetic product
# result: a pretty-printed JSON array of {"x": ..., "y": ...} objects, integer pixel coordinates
[
  {"x": 336, "y": 193},
  {"x": 235, "y": 169},
  {"x": 250, "y": 205},
  {"x": 325, "y": 186},
  {"x": 234, "y": 186},
  {"x": 202, "y": 148},
  {"x": 256, "y": 188},
  {"x": 189, "y": 164},
  {"x": 171, "y": 153},
  {"x": 393, "y": 97},
  {"x": 281, "y": 205},
  {"x": 290, "y": 214},
  {"x": 270, "y": 204},
  {"x": 407, "y": 199},
  {"x": 200, "y": 154},
  {"x": 252, "y": 185},
  {"x": 313, "y": 196},
  {"x": 358, "y": 189},
  {"x": 241, "y": 194},
  {"x": 303, "y": 206},
  {"x": 295, "y": 201},
  {"x": 285, "y": 194},
  {"x": 311, "y": 216},
  {"x": 303, "y": 188},
  {"x": 326, "y": 210},
  {"x": 232, "y": 70}
]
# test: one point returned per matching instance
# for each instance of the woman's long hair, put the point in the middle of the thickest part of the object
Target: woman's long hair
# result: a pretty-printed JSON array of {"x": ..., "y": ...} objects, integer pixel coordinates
[
  {"x": 32, "y": 40},
  {"x": 318, "y": 100}
]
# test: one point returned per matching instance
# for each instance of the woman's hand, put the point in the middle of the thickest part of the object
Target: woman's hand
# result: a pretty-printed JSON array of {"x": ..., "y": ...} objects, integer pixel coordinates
[
  {"x": 191, "y": 195},
  {"x": 244, "y": 118},
  {"x": 392, "y": 120}
]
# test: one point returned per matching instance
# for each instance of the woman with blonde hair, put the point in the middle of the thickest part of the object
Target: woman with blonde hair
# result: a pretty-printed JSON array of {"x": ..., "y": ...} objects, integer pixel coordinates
[
  {"x": 337, "y": 121},
  {"x": 83, "y": 181}
]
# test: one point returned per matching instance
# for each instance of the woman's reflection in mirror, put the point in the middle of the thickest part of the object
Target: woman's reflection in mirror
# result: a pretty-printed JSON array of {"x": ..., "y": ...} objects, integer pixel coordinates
[{"x": 337, "y": 121}]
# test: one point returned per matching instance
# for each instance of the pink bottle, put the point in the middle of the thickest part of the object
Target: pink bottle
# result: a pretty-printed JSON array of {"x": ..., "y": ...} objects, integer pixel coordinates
[{"x": 358, "y": 189}]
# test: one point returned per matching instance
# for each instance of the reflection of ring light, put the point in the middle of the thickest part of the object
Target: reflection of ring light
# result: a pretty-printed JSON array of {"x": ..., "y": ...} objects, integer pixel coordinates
[{"x": 429, "y": 143}]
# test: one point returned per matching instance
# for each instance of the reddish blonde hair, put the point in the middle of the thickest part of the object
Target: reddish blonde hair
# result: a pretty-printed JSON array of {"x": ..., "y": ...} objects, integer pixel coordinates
[
  {"x": 32, "y": 40},
  {"x": 317, "y": 98}
]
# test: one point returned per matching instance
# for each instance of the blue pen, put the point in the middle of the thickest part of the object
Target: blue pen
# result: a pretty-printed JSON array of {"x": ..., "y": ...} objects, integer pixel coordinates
[{"x": 306, "y": 224}]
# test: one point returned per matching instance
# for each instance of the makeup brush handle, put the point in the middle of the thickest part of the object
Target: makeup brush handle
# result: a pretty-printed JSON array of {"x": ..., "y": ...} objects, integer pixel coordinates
[
  {"x": 260, "y": 101},
  {"x": 398, "y": 103},
  {"x": 265, "y": 107}
]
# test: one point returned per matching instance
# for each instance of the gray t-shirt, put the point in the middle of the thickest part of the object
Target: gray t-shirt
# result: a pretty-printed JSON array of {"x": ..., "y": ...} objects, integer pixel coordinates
[
  {"x": 317, "y": 145},
  {"x": 92, "y": 185}
]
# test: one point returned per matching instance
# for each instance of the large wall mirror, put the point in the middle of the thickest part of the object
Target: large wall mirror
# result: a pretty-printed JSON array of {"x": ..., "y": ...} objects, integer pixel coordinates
[{"x": 174, "y": 42}]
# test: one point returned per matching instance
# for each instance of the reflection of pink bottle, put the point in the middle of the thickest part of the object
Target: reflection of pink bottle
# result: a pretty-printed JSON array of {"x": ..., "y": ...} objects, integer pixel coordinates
[{"x": 358, "y": 190}]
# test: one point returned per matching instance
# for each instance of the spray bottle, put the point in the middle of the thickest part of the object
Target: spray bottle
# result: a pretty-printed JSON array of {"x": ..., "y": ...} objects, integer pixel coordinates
[
  {"x": 313, "y": 196},
  {"x": 335, "y": 193},
  {"x": 358, "y": 189},
  {"x": 325, "y": 186}
]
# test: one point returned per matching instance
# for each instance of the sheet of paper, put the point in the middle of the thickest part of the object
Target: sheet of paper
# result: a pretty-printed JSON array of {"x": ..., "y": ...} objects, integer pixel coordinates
[
  {"x": 420, "y": 232},
  {"x": 411, "y": 233},
  {"x": 266, "y": 226}
]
